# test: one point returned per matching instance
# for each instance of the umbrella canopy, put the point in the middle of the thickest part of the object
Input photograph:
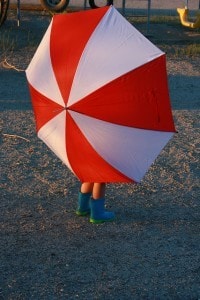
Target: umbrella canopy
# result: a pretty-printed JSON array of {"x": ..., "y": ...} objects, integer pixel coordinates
[{"x": 100, "y": 96}]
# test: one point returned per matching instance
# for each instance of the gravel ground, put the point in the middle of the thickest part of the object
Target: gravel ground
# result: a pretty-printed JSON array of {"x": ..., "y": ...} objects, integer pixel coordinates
[{"x": 151, "y": 250}]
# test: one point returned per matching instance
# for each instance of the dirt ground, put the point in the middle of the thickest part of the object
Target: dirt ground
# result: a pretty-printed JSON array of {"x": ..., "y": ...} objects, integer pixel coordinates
[{"x": 152, "y": 249}]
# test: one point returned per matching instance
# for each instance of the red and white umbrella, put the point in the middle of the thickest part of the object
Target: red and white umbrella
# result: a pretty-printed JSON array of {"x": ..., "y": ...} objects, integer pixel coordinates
[{"x": 100, "y": 96}]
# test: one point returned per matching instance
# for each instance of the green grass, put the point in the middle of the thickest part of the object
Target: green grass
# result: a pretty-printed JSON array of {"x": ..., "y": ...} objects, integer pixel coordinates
[
  {"x": 170, "y": 35},
  {"x": 12, "y": 40},
  {"x": 188, "y": 50},
  {"x": 187, "y": 45},
  {"x": 154, "y": 19},
  {"x": 7, "y": 42}
]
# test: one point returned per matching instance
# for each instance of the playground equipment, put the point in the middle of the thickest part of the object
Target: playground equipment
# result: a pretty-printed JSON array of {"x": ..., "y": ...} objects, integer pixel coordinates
[
  {"x": 57, "y": 6},
  {"x": 61, "y": 5},
  {"x": 184, "y": 13},
  {"x": 4, "y": 4},
  {"x": 54, "y": 6}
]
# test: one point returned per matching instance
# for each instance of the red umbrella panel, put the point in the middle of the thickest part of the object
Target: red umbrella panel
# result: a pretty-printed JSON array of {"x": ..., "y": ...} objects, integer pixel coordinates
[{"x": 100, "y": 96}]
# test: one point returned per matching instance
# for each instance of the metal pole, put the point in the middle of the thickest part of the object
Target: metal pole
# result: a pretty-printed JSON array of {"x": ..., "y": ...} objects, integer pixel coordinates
[
  {"x": 148, "y": 15},
  {"x": 18, "y": 12},
  {"x": 123, "y": 7}
]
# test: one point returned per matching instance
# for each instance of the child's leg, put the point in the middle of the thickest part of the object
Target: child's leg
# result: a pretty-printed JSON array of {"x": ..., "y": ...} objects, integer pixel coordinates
[
  {"x": 87, "y": 187},
  {"x": 98, "y": 190},
  {"x": 98, "y": 213}
]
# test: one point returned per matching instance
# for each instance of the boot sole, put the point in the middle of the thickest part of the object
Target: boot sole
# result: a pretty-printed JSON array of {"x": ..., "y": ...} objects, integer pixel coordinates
[
  {"x": 82, "y": 213},
  {"x": 100, "y": 221}
]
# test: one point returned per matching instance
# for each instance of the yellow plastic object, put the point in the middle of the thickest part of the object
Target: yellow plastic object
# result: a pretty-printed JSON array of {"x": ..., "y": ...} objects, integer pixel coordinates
[{"x": 183, "y": 13}]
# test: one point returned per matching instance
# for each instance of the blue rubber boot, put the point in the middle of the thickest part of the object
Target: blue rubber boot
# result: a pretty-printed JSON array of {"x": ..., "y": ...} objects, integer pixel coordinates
[
  {"x": 98, "y": 213},
  {"x": 83, "y": 204}
]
